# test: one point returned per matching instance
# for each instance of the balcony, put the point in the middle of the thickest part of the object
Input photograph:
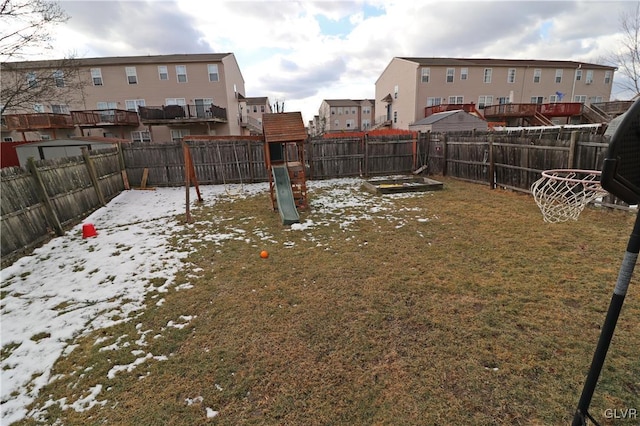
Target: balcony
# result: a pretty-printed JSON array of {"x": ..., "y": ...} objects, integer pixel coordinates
[
  {"x": 510, "y": 110},
  {"x": 250, "y": 123},
  {"x": 182, "y": 114},
  {"x": 38, "y": 121},
  {"x": 470, "y": 108},
  {"x": 105, "y": 118}
]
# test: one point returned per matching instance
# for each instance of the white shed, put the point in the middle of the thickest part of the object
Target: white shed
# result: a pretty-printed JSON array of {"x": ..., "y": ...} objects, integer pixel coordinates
[
  {"x": 449, "y": 121},
  {"x": 60, "y": 148}
]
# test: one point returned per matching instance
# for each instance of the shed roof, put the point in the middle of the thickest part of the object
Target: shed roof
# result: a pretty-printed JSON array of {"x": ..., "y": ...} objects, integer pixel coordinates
[
  {"x": 433, "y": 118},
  {"x": 283, "y": 127}
]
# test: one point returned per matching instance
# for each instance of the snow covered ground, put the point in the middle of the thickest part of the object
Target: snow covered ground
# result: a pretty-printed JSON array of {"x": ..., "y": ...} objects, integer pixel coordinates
[{"x": 72, "y": 286}]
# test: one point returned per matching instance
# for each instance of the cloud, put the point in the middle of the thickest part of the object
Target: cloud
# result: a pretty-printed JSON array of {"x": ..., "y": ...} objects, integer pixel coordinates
[
  {"x": 307, "y": 51},
  {"x": 134, "y": 27}
]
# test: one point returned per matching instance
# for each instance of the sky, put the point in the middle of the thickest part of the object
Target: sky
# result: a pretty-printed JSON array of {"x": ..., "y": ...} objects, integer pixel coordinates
[
  {"x": 301, "y": 52},
  {"x": 72, "y": 285}
]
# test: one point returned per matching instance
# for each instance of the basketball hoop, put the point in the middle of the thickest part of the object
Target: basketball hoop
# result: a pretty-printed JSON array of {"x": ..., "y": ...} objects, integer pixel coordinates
[{"x": 562, "y": 194}]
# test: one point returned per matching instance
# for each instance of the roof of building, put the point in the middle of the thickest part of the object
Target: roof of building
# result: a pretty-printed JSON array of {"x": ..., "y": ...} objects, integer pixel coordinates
[
  {"x": 283, "y": 127},
  {"x": 433, "y": 118},
  {"x": 346, "y": 102},
  {"x": 262, "y": 100},
  {"x": 122, "y": 60},
  {"x": 469, "y": 62}
]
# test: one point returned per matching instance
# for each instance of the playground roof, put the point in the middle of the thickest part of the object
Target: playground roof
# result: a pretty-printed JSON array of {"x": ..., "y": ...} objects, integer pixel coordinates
[{"x": 283, "y": 127}]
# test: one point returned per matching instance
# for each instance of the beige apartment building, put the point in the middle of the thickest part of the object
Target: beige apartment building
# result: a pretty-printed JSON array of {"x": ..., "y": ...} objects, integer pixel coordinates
[
  {"x": 251, "y": 111},
  {"x": 141, "y": 98},
  {"x": 515, "y": 92},
  {"x": 343, "y": 115}
]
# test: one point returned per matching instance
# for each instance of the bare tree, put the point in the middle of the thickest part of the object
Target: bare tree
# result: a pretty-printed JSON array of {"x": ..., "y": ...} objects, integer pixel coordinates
[
  {"x": 54, "y": 84},
  {"x": 25, "y": 30},
  {"x": 627, "y": 59},
  {"x": 26, "y": 25}
]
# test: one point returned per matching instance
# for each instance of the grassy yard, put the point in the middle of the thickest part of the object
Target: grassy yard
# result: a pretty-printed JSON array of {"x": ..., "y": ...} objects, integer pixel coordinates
[{"x": 459, "y": 306}]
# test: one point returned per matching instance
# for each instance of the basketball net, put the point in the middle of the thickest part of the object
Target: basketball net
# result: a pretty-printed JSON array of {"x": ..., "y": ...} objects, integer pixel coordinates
[{"x": 562, "y": 194}]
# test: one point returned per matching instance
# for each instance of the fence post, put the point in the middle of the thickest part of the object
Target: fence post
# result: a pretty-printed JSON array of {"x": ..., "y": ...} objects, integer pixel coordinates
[
  {"x": 42, "y": 193},
  {"x": 365, "y": 139},
  {"x": 444, "y": 154},
  {"x": 123, "y": 167},
  {"x": 492, "y": 177},
  {"x": 572, "y": 150},
  {"x": 91, "y": 168}
]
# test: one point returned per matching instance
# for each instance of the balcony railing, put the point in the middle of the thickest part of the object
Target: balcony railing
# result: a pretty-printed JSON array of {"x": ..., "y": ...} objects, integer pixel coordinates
[
  {"x": 38, "y": 121},
  {"x": 164, "y": 113},
  {"x": 471, "y": 108},
  {"x": 563, "y": 109},
  {"x": 251, "y": 124},
  {"x": 105, "y": 117}
]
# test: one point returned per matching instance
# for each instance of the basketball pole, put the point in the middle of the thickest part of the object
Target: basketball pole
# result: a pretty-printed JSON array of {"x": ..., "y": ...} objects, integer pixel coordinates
[{"x": 617, "y": 299}]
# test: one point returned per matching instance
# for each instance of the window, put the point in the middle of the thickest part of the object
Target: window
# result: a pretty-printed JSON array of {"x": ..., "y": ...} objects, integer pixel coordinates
[
  {"x": 107, "y": 105},
  {"x": 589, "y": 78},
  {"x": 578, "y": 75},
  {"x": 537, "y": 99},
  {"x": 59, "y": 109},
  {"x": 333, "y": 111},
  {"x": 350, "y": 124},
  {"x": 580, "y": 98},
  {"x": 262, "y": 109},
  {"x": 339, "y": 110},
  {"x": 426, "y": 73},
  {"x": 558, "y": 76},
  {"x": 58, "y": 78},
  {"x": 607, "y": 77},
  {"x": 140, "y": 136},
  {"x": 366, "y": 110},
  {"x": 133, "y": 104},
  {"x": 537, "y": 75},
  {"x": 178, "y": 134},
  {"x": 464, "y": 73},
  {"x": 511, "y": 75},
  {"x": 213, "y": 72},
  {"x": 175, "y": 101},
  {"x": 553, "y": 99},
  {"x": 163, "y": 72},
  {"x": 503, "y": 100},
  {"x": 595, "y": 99},
  {"x": 181, "y": 72},
  {"x": 96, "y": 76},
  {"x": 395, "y": 116},
  {"x": 8, "y": 139},
  {"x": 32, "y": 80},
  {"x": 433, "y": 101},
  {"x": 456, "y": 100},
  {"x": 38, "y": 108},
  {"x": 132, "y": 77},
  {"x": 485, "y": 101},
  {"x": 336, "y": 124},
  {"x": 395, "y": 92},
  {"x": 450, "y": 73},
  {"x": 353, "y": 111},
  {"x": 366, "y": 124},
  {"x": 487, "y": 75}
]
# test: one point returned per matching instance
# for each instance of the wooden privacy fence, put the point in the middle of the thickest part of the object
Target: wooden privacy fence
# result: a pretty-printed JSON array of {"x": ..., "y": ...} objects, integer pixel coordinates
[
  {"x": 513, "y": 161},
  {"x": 223, "y": 160},
  {"x": 53, "y": 195}
]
